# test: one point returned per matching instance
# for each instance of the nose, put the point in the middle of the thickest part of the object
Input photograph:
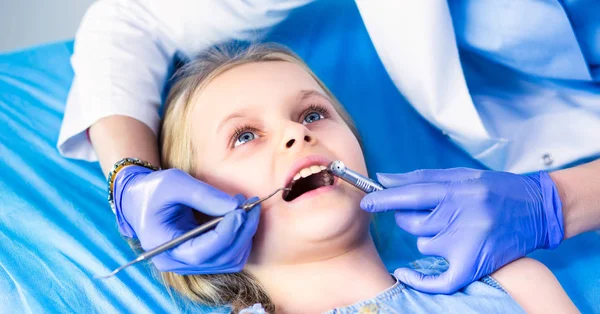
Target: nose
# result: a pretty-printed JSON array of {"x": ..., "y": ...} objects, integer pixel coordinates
[
  {"x": 290, "y": 143},
  {"x": 296, "y": 137}
]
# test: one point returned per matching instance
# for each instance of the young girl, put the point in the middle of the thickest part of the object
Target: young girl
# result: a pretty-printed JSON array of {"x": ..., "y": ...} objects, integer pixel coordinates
[{"x": 252, "y": 120}]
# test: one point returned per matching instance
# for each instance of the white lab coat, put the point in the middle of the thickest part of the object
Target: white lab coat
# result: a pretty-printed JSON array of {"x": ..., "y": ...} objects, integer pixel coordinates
[{"x": 123, "y": 49}]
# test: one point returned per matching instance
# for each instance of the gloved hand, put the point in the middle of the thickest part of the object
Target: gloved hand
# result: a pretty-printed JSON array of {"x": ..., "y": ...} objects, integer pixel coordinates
[
  {"x": 477, "y": 220},
  {"x": 157, "y": 206}
]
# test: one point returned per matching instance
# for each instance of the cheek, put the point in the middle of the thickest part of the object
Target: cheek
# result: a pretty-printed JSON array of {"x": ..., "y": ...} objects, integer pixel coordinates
[
  {"x": 345, "y": 146},
  {"x": 247, "y": 175}
]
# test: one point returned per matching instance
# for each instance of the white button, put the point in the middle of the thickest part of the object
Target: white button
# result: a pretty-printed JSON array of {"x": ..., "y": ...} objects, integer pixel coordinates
[{"x": 547, "y": 159}]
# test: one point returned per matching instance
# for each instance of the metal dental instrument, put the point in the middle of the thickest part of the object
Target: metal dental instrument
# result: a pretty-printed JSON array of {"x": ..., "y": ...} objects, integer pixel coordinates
[
  {"x": 186, "y": 236},
  {"x": 339, "y": 169}
]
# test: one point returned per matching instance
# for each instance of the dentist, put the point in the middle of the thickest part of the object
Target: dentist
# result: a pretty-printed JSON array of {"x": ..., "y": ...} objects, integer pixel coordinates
[{"x": 522, "y": 98}]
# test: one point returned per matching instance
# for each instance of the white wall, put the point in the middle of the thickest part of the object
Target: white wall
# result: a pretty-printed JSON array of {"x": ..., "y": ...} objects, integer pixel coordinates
[{"x": 25, "y": 23}]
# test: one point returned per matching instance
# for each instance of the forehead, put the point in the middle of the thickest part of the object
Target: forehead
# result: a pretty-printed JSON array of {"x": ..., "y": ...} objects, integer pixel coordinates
[{"x": 254, "y": 86}]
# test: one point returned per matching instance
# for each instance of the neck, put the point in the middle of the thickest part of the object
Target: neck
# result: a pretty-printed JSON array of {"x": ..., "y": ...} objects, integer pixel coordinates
[{"x": 354, "y": 275}]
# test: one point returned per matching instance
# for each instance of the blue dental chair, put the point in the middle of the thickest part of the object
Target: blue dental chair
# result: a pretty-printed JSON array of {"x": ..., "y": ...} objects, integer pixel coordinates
[{"x": 57, "y": 230}]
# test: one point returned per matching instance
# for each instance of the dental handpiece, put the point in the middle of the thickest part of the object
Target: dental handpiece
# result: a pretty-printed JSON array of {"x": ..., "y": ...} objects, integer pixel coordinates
[{"x": 339, "y": 169}]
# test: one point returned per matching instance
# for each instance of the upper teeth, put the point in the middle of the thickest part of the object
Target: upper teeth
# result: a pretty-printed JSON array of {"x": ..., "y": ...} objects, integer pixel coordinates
[{"x": 308, "y": 171}]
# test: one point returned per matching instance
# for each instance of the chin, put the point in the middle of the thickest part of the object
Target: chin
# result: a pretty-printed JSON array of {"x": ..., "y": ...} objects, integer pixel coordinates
[
  {"x": 331, "y": 219},
  {"x": 323, "y": 228}
]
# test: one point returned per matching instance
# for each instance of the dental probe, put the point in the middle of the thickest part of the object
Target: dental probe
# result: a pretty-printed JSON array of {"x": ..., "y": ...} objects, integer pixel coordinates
[
  {"x": 186, "y": 236},
  {"x": 339, "y": 169}
]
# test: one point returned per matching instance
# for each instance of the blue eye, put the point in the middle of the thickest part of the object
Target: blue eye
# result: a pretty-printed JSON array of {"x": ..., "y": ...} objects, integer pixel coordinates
[
  {"x": 312, "y": 117},
  {"x": 244, "y": 138}
]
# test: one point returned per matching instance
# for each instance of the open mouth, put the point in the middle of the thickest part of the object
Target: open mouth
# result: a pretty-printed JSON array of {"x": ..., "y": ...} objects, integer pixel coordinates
[{"x": 306, "y": 180}]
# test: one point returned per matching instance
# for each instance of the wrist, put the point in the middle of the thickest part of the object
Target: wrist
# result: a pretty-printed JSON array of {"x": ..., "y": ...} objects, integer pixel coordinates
[
  {"x": 122, "y": 174},
  {"x": 553, "y": 210},
  {"x": 118, "y": 167},
  {"x": 581, "y": 202}
]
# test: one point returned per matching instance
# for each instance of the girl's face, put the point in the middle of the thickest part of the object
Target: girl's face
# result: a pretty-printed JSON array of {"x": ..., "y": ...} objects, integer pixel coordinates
[{"x": 255, "y": 127}]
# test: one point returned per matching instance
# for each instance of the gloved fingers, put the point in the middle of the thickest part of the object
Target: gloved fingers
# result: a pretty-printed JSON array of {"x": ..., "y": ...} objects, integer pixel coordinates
[
  {"x": 411, "y": 197},
  {"x": 239, "y": 264},
  {"x": 241, "y": 199},
  {"x": 248, "y": 201},
  {"x": 250, "y": 226},
  {"x": 207, "y": 246},
  {"x": 427, "y": 247},
  {"x": 163, "y": 262},
  {"x": 427, "y": 176},
  {"x": 417, "y": 223},
  {"x": 198, "y": 195},
  {"x": 235, "y": 257},
  {"x": 242, "y": 242},
  {"x": 208, "y": 268},
  {"x": 445, "y": 283}
]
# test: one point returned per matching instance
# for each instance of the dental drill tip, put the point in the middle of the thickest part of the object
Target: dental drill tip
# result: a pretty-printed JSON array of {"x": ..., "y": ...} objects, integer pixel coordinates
[
  {"x": 365, "y": 184},
  {"x": 337, "y": 168}
]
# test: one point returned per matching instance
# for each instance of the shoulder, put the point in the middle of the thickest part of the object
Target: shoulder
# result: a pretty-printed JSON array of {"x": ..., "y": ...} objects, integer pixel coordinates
[
  {"x": 524, "y": 273},
  {"x": 534, "y": 287}
]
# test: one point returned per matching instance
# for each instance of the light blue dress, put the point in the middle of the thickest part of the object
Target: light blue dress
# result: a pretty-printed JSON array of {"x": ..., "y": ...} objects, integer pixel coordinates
[{"x": 484, "y": 296}]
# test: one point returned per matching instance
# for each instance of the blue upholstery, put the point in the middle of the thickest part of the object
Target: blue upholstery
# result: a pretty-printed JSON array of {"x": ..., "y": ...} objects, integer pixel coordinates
[{"x": 57, "y": 230}]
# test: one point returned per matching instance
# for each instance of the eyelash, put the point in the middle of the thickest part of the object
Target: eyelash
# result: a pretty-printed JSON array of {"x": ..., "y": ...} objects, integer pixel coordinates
[
  {"x": 316, "y": 108},
  {"x": 239, "y": 131},
  {"x": 249, "y": 128}
]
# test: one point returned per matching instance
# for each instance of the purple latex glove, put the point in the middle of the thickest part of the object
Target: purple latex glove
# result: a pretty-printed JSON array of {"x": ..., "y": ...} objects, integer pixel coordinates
[
  {"x": 157, "y": 206},
  {"x": 477, "y": 220}
]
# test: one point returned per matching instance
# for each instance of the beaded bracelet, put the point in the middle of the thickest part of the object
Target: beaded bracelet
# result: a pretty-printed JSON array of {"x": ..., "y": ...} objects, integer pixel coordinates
[{"x": 117, "y": 167}]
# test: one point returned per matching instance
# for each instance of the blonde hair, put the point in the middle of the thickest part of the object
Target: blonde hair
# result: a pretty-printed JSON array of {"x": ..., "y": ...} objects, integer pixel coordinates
[{"x": 241, "y": 289}]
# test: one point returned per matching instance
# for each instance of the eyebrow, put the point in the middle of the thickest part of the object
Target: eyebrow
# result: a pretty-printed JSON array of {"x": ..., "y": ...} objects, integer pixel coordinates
[
  {"x": 235, "y": 115},
  {"x": 302, "y": 95}
]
